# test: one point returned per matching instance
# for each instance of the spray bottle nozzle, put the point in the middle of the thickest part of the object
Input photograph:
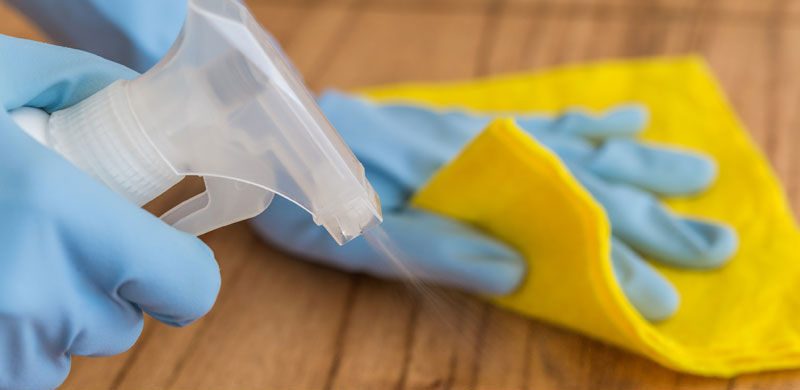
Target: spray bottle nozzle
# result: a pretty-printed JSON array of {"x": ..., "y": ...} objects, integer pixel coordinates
[
  {"x": 225, "y": 105},
  {"x": 353, "y": 216}
]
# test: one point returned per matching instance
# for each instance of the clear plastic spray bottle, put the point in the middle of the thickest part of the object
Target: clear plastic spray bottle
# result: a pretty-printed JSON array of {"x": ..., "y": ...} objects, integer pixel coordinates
[{"x": 222, "y": 104}]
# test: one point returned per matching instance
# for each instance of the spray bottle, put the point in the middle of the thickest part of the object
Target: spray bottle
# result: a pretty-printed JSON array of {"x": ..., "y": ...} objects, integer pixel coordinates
[{"x": 222, "y": 104}]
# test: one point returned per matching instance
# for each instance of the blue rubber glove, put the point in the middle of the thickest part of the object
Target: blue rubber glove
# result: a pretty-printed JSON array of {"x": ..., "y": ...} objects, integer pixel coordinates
[
  {"x": 79, "y": 264},
  {"x": 402, "y": 146},
  {"x": 136, "y": 33}
]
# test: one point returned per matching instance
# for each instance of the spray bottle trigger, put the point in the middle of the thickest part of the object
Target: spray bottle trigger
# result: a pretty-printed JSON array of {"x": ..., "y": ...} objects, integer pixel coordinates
[{"x": 225, "y": 201}]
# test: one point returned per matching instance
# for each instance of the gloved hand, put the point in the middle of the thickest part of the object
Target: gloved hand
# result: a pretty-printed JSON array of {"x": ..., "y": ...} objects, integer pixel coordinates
[
  {"x": 136, "y": 33},
  {"x": 79, "y": 263},
  {"x": 402, "y": 146}
]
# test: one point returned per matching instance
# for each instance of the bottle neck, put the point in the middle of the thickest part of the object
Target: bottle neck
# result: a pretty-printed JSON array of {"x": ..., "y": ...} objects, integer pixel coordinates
[{"x": 102, "y": 136}]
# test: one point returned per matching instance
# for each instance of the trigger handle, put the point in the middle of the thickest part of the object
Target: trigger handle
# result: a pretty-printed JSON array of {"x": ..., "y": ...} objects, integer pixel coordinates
[{"x": 225, "y": 201}]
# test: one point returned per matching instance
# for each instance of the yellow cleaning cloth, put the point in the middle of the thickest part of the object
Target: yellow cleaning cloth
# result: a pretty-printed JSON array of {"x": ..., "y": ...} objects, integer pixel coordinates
[{"x": 740, "y": 318}]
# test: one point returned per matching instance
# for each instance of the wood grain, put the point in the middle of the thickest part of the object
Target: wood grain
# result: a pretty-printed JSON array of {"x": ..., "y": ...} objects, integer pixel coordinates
[{"x": 284, "y": 323}]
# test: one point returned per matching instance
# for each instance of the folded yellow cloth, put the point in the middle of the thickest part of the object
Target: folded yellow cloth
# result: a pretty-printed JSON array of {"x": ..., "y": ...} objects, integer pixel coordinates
[{"x": 739, "y": 318}]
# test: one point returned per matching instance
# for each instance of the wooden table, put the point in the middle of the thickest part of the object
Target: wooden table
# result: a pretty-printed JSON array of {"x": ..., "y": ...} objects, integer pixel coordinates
[{"x": 283, "y": 323}]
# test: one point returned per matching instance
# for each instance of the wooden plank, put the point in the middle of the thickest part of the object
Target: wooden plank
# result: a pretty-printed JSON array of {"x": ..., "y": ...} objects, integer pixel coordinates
[
  {"x": 17, "y": 25},
  {"x": 502, "y": 351},
  {"x": 97, "y": 372},
  {"x": 578, "y": 5},
  {"x": 373, "y": 353},
  {"x": 319, "y": 35},
  {"x": 308, "y": 4},
  {"x": 740, "y": 58},
  {"x": 768, "y": 380},
  {"x": 780, "y": 57},
  {"x": 432, "y": 6},
  {"x": 783, "y": 105},
  {"x": 447, "y": 332},
  {"x": 385, "y": 47},
  {"x": 745, "y": 6},
  {"x": 276, "y": 327},
  {"x": 740, "y": 7}
]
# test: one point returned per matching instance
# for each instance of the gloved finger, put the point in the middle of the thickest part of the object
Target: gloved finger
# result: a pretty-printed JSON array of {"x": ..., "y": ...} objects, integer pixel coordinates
[
  {"x": 136, "y": 33},
  {"x": 622, "y": 121},
  {"x": 639, "y": 219},
  {"x": 80, "y": 319},
  {"x": 665, "y": 171},
  {"x": 171, "y": 275},
  {"x": 647, "y": 290},
  {"x": 135, "y": 257},
  {"x": 37, "y": 369},
  {"x": 51, "y": 77},
  {"x": 429, "y": 248},
  {"x": 108, "y": 327},
  {"x": 126, "y": 253}
]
